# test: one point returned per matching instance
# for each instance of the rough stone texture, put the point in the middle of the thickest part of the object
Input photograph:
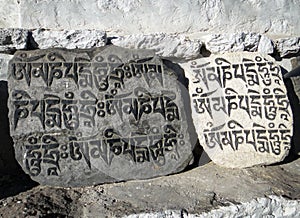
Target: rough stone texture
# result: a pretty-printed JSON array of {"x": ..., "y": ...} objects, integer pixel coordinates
[
  {"x": 199, "y": 190},
  {"x": 165, "y": 45},
  {"x": 288, "y": 46},
  {"x": 94, "y": 116},
  {"x": 272, "y": 206},
  {"x": 132, "y": 17},
  {"x": 70, "y": 39},
  {"x": 4, "y": 59},
  {"x": 9, "y": 14},
  {"x": 240, "y": 109},
  {"x": 265, "y": 45},
  {"x": 237, "y": 42},
  {"x": 12, "y": 39}
]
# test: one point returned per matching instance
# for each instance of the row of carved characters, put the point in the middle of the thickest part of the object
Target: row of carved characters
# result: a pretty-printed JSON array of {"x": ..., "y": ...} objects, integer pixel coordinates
[
  {"x": 88, "y": 75},
  {"x": 251, "y": 72},
  {"x": 47, "y": 153},
  {"x": 263, "y": 105},
  {"x": 54, "y": 112},
  {"x": 56, "y": 56},
  {"x": 271, "y": 139}
]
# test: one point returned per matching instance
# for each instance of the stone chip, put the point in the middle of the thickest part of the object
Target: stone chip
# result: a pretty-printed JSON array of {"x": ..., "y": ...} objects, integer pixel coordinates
[{"x": 4, "y": 59}]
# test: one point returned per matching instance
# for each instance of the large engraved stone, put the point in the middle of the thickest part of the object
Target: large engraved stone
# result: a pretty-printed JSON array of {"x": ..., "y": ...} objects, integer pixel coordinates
[
  {"x": 94, "y": 116},
  {"x": 240, "y": 109}
]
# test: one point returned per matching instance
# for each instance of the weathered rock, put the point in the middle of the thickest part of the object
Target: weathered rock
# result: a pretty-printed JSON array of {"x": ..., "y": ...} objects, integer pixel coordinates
[
  {"x": 4, "y": 59},
  {"x": 70, "y": 39},
  {"x": 272, "y": 206},
  {"x": 148, "y": 16},
  {"x": 240, "y": 109},
  {"x": 195, "y": 191},
  {"x": 165, "y": 45},
  {"x": 288, "y": 46},
  {"x": 12, "y": 39},
  {"x": 94, "y": 116},
  {"x": 265, "y": 45},
  {"x": 238, "y": 42}
]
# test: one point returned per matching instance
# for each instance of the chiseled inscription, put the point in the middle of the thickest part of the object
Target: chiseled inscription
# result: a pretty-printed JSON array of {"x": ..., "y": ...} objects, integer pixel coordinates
[
  {"x": 95, "y": 111},
  {"x": 241, "y": 102}
]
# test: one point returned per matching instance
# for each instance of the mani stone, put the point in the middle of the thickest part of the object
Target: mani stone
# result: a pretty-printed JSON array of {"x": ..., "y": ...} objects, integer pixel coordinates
[
  {"x": 95, "y": 116},
  {"x": 240, "y": 109}
]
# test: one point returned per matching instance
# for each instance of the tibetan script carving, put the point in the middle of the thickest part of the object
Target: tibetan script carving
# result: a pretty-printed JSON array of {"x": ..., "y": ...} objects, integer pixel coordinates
[
  {"x": 94, "y": 116},
  {"x": 240, "y": 109}
]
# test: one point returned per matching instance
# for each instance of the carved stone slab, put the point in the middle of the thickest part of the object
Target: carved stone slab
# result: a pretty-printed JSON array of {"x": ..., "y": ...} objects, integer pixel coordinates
[
  {"x": 93, "y": 116},
  {"x": 240, "y": 109}
]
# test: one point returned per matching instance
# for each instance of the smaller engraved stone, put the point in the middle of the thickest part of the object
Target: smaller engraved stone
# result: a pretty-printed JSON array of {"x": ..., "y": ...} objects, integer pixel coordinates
[{"x": 240, "y": 109}]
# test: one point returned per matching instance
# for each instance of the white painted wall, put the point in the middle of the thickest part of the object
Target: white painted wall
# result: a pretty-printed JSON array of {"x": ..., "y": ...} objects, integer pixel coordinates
[{"x": 276, "y": 17}]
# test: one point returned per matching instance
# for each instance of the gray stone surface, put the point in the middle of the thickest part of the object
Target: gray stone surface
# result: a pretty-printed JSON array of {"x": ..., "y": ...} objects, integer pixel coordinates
[
  {"x": 288, "y": 46},
  {"x": 70, "y": 39},
  {"x": 12, "y": 39},
  {"x": 4, "y": 59},
  {"x": 240, "y": 109},
  {"x": 165, "y": 45},
  {"x": 95, "y": 116},
  {"x": 197, "y": 191},
  {"x": 148, "y": 16}
]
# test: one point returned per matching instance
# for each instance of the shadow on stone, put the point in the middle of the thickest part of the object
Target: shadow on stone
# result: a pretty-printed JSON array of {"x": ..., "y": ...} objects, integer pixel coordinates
[
  {"x": 199, "y": 156},
  {"x": 294, "y": 101},
  {"x": 12, "y": 178}
]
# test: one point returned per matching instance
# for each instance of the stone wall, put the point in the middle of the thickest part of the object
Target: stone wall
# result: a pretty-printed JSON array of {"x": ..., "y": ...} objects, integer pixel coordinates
[
  {"x": 132, "y": 17},
  {"x": 179, "y": 31}
]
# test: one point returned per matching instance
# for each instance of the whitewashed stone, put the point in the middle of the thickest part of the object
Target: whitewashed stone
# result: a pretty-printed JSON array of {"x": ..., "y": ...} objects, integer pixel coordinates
[
  {"x": 271, "y": 206},
  {"x": 288, "y": 46},
  {"x": 148, "y": 16},
  {"x": 240, "y": 109},
  {"x": 70, "y": 39},
  {"x": 4, "y": 59},
  {"x": 265, "y": 45},
  {"x": 236, "y": 42},
  {"x": 165, "y": 45},
  {"x": 9, "y": 14},
  {"x": 12, "y": 39}
]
